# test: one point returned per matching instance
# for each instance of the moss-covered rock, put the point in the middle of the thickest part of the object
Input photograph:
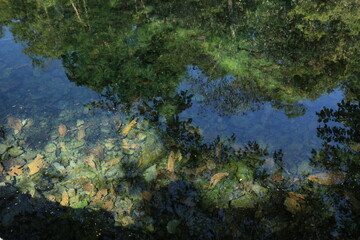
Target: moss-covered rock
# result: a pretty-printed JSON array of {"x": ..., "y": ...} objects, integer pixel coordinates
[
  {"x": 15, "y": 151},
  {"x": 245, "y": 201},
  {"x": 152, "y": 150}
]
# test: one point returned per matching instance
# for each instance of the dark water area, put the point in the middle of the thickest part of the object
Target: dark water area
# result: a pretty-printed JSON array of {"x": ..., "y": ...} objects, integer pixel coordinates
[{"x": 182, "y": 120}]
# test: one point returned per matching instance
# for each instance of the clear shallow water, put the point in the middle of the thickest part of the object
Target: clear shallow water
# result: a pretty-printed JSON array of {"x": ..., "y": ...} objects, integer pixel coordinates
[{"x": 163, "y": 129}]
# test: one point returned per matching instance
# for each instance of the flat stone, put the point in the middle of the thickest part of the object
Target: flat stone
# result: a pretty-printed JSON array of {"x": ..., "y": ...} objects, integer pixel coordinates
[
  {"x": 245, "y": 201},
  {"x": 72, "y": 192},
  {"x": 59, "y": 167},
  {"x": 13, "y": 162},
  {"x": 77, "y": 144},
  {"x": 51, "y": 147},
  {"x": 15, "y": 151},
  {"x": 29, "y": 155},
  {"x": 129, "y": 151},
  {"x": 105, "y": 130},
  {"x": 3, "y": 148},
  {"x": 150, "y": 173},
  {"x": 141, "y": 136},
  {"x": 80, "y": 122},
  {"x": 109, "y": 145}
]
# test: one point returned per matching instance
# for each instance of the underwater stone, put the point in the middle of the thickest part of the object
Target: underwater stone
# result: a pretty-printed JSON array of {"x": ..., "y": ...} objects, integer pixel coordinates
[
  {"x": 260, "y": 191},
  {"x": 246, "y": 201},
  {"x": 59, "y": 167},
  {"x": 150, "y": 173},
  {"x": 129, "y": 151},
  {"x": 64, "y": 161},
  {"x": 16, "y": 151},
  {"x": 29, "y": 155},
  {"x": 50, "y": 148},
  {"x": 74, "y": 200},
  {"x": 3, "y": 148},
  {"x": 72, "y": 164},
  {"x": 76, "y": 144},
  {"x": 152, "y": 150},
  {"x": 81, "y": 204},
  {"x": 172, "y": 225},
  {"x": 105, "y": 129},
  {"x": 118, "y": 172},
  {"x": 79, "y": 122},
  {"x": 109, "y": 145},
  {"x": 244, "y": 172},
  {"x": 71, "y": 193},
  {"x": 141, "y": 136},
  {"x": 13, "y": 162}
]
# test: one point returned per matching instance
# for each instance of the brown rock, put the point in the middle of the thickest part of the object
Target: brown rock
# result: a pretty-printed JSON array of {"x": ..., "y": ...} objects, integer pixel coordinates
[
  {"x": 81, "y": 134},
  {"x": 15, "y": 124},
  {"x": 146, "y": 195},
  {"x": 294, "y": 203},
  {"x": 90, "y": 160},
  {"x": 171, "y": 162},
  {"x": 108, "y": 205},
  {"x": 65, "y": 199},
  {"x": 89, "y": 187},
  {"x": 62, "y": 130}
]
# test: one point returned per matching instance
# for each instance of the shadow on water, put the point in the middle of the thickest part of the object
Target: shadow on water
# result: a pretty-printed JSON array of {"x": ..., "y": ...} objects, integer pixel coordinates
[{"x": 25, "y": 217}]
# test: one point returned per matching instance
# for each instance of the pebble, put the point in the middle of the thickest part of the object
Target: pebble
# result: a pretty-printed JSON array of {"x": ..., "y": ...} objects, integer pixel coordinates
[
  {"x": 109, "y": 145},
  {"x": 59, "y": 167},
  {"x": 77, "y": 144},
  {"x": 51, "y": 147},
  {"x": 29, "y": 155},
  {"x": 105, "y": 130},
  {"x": 86, "y": 110},
  {"x": 14, "y": 162},
  {"x": 15, "y": 151},
  {"x": 3, "y": 148},
  {"x": 141, "y": 136},
  {"x": 80, "y": 122},
  {"x": 129, "y": 151}
]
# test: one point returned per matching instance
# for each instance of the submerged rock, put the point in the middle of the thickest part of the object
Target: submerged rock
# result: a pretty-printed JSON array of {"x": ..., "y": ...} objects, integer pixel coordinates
[
  {"x": 79, "y": 122},
  {"x": 59, "y": 167},
  {"x": 141, "y": 136},
  {"x": 3, "y": 148},
  {"x": 15, "y": 151},
  {"x": 150, "y": 173},
  {"x": 295, "y": 203},
  {"x": 51, "y": 147},
  {"x": 245, "y": 201},
  {"x": 152, "y": 150},
  {"x": 128, "y": 151},
  {"x": 13, "y": 162},
  {"x": 77, "y": 144},
  {"x": 109, "y": 145},
  {"x": 172, "y": 225}
]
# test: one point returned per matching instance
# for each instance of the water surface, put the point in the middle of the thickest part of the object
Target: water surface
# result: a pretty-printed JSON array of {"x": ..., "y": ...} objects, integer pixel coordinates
[{"x": 197, "y": 120}]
